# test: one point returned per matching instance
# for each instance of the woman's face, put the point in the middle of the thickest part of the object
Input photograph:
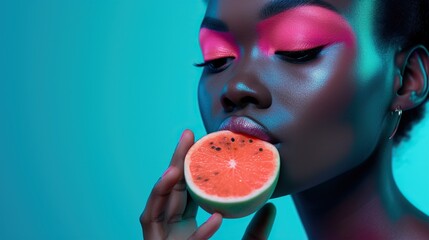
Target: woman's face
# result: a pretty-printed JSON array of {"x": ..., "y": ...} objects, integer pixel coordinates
[{"x": 310, "y": 78}]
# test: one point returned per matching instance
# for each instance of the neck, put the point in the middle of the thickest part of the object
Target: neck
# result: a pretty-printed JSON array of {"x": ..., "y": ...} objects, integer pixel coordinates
[{"x": 363, "y": 203}]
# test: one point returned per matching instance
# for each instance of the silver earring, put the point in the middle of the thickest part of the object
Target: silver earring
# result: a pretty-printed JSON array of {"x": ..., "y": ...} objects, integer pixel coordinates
[{"x": 398, "y": 111}]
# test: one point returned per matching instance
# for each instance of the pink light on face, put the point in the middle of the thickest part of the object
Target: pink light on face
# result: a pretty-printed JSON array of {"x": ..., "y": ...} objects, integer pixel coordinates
[
  {"x": 215, "y": 44},
  {"x": 304, "y": 28}
]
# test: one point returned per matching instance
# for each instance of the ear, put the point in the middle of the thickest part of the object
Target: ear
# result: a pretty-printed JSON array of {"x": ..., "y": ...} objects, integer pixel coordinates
[{"x": 411, "y": 85}]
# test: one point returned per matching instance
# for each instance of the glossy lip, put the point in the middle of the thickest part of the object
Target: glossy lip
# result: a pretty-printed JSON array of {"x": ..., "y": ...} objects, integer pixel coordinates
[{"x": 245, "y": 125}]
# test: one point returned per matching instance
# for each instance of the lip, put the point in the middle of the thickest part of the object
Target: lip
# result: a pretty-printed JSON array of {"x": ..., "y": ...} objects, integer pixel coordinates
[{"x": 245, "y": 125}]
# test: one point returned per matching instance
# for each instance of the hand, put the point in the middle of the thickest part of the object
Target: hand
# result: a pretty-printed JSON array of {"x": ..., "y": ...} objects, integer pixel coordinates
[{"x": 170, "y": 212}]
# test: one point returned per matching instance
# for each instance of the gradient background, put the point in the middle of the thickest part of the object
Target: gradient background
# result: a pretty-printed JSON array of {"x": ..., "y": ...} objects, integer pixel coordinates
[{"x": 93, "y": 98}]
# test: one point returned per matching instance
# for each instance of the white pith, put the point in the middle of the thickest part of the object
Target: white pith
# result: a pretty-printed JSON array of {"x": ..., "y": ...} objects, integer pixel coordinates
[{"x": 232, "y": 163}]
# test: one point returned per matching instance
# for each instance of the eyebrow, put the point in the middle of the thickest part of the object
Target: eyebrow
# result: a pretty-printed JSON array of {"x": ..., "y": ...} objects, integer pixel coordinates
[
  {"x": 214, "y": 24},
  {"x": 275, "y": 7},
  {"x": 268, "y": 10}
]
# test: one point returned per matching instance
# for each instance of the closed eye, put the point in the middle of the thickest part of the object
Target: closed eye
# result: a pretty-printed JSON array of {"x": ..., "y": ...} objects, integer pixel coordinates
[
  {"x": 216, "y": 65},
  {"x": 301, "y": 56}
]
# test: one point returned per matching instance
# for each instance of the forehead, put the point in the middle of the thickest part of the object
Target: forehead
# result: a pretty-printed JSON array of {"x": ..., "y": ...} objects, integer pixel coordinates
[
  {"x": 241, "y": 17},
  {"x": 253, "y": 10}
]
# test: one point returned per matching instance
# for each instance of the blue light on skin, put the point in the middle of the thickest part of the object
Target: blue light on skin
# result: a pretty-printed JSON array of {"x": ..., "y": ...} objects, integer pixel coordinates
[
  {"x": 369, "y": 59},
  {"x": 243, "y": 87}
]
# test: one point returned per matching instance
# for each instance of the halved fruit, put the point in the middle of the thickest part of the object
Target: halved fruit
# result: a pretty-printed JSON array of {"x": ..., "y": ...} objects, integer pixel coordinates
[{"x": 230, "y": 173}]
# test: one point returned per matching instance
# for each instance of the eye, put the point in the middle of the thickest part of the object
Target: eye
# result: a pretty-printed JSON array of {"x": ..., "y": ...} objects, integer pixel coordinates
[
  {"x": 216, "y": 65},
  {"x": 298, "y": 57}
]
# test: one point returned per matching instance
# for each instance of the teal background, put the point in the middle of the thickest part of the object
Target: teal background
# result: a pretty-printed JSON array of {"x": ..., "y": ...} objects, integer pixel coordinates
[{"x": 93, "y": 98}]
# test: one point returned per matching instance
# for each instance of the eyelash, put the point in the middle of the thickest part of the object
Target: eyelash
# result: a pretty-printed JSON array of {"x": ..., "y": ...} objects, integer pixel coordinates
[
  {"x": 216, "y": 65},
  {"x": 299, "y": 57}
]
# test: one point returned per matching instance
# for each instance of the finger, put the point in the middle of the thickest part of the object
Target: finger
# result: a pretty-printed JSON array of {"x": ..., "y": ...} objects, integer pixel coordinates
[
  {"x": 178, "y": 197},
  {"x": 152, "y": 218},
  {"x": 181, "y": 205},
  {"x": 185, "y": 142},
  {"x": 177, "y": 202},
  {"x": 191, "y": 208},
  {"x": 209, "y": 228},
  {"x": 261, "y": 224}
]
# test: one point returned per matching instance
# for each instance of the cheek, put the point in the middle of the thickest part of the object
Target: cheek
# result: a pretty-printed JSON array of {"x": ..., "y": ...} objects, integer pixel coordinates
[
  {"x": 370, "y": 108},
  {"x": 322, "y": 88},
  {"x": 320, "y": 140},
  {"x": 209, "y": 91}
]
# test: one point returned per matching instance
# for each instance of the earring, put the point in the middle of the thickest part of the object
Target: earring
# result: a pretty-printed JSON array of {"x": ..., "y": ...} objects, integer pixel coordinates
[{"x": 397, "y": 111}]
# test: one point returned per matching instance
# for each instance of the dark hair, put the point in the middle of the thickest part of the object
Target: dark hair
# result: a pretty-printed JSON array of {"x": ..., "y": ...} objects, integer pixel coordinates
[{"x": 405, "y": 24}]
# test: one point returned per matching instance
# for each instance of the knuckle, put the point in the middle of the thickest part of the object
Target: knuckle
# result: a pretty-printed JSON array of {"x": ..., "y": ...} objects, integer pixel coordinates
[
  {"x": 174, "y": 218},
  {"x": 180, "y": 186},
  {"x": 144, "y": 220},
  {"x": 160, "y": 191},
  {"x": 159, "y": 218}
]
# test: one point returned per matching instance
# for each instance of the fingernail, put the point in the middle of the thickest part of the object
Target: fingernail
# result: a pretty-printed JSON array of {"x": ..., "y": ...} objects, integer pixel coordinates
[{"x": 166, "y": 171}]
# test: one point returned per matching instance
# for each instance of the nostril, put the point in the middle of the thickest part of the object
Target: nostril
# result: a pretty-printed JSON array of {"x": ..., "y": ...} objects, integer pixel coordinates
[
  {"x": 243, "y": 91},
  {"x": 230, "y": 106},
  {"x": 248, "y": 99},
  {"x": 227, "y": 104}
]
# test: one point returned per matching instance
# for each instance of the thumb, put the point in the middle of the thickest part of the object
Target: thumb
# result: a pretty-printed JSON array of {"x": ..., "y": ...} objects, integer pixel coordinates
[{"x": 261, "y": 224}]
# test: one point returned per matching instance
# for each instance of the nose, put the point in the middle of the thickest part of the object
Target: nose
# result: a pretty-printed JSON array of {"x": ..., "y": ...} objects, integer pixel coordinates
[{"x": 243, "y": 90}]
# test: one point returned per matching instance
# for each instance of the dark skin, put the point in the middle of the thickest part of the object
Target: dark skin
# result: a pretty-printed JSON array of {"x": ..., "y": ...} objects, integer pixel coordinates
[{"x": 330, "y": 117}]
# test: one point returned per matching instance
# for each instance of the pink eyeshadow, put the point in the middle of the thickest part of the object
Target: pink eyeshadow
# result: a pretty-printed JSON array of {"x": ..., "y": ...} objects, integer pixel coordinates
[
  {"x": 303, "y": 28},
  {"x": 215, "y": 44}
]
